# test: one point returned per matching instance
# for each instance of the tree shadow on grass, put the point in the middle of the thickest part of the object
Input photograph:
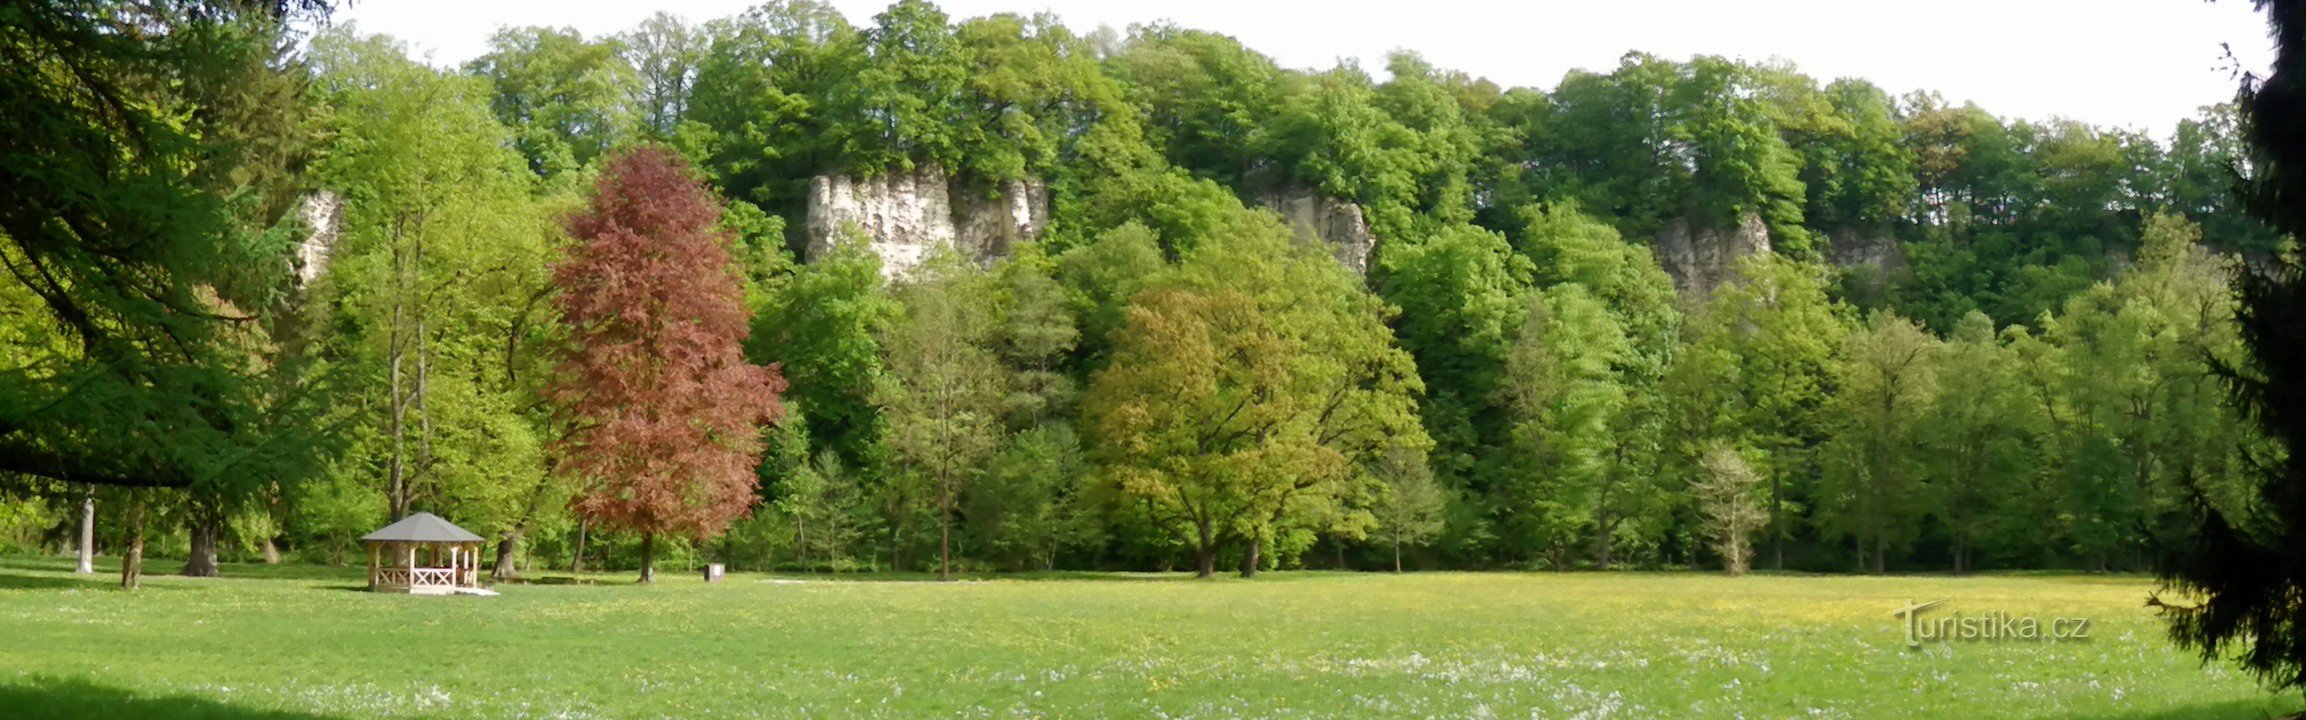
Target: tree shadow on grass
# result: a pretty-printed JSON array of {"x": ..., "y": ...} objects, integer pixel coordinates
[
  {"x": 47, "y": 698},
  {"x": 107, "y": 566},
  {"x": 2269, "y": 708},
  {"x": 25, "y": 581}
]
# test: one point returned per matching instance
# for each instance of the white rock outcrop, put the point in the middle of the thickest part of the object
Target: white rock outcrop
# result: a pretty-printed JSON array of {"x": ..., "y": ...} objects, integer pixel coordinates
[
  {"x": 904, "y": 215},
  {"x": 319, "y": 212},
  {"x": 1327, "y": 220},
  {"x": 1702, "y": 259}
]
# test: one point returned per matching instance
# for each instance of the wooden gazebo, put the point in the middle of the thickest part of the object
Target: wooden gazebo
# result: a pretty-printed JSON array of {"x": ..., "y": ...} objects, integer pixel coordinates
[{"x": 423, "y": 555}]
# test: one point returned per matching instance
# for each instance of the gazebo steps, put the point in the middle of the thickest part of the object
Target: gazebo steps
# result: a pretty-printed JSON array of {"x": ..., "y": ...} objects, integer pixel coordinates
[{"x": 483, "y": 592}]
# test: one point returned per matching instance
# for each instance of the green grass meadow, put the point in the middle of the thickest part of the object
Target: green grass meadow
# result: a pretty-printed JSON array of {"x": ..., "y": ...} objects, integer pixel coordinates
[{"x": 281, "y": 643}]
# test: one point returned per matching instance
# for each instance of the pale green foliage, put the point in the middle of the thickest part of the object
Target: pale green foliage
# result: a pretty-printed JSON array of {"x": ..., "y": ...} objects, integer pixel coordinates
[
  {"x": 1028, "y": 505},
  {"x": 1565, "y": 396},
  {"x": 943, "y": 400},
  {"x": 1037, "y": 329},
  {"x": 1412, "y": 511},
  {"x": 1726, "y": 492},
  {"x": 565, "y": 99},
  {"x": 815, "y": 506},
  {"x": 905, "y": 107},
  {"x": 1248, "y": 382},
  {"x": 436, "y": 286},
  {"x": 2136, "y": 414},
  {"x": 1460, "y": 293},
  {"x": 663, "y": 53},
  {"x": 1873, "y": 468},
  {"x": 1754, "y": 373},
  {"x": 1981, "y": 441},
  {"x": 1101, "y": 275},
  {"x": 1585, "y": 420},
  {"x": 824, "y": 324}
]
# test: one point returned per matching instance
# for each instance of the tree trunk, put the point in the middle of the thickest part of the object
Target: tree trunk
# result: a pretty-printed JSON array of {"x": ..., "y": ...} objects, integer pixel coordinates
[
  {"x": 201, "y": 562},
  {"x": 132, "y": 559},
  {"x": 1205, "y": 554},
  {"x": 1605, "y": 537},
  {"x": 87, "y": 532},
  {"x": 648, "y": 557},
  {"x": 577, "y": 564},
  {"x": 506, "y": 546},
  {"x": 1253, "y": 558},
  {"x": 1397, "y": 556},
  {"x": 945, "y": 542},
  {"x": 1880, "y": 553},
  {"x": 800, "y": 543},
  {"x": 271, "y": 552},
  {"x": 1777, "y": 524}
]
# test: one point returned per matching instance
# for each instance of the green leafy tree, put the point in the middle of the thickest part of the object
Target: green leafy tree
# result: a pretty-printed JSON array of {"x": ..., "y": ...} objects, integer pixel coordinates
[
  {"x": 825, "y": 324},
  {"x": 1243, "y": 392},
  {"x": 1872, "y": 487},
  {"x": 944, "y": 401},
  {"x": 663, "y": 52},
  {"x": 1565, "y": 395},
  {"x": 1029, "y": 505},
  {"x": 1730, "y": 511},
  {"x": 1202, "y": 96},
  {"x": 436, "y": 285},
  {"x": 1461, "y": 297},
  {"x": 566, "y": 99},
  {"x": 759, "y": 98},
  {"x": 1756, "y": 373},
  {"x": 1035, "y": 96},
  {"x": 903, "y": 103},
  {"x": 150, "y": 166},
  {"x": 1414, "y": 509},
  {"x": 1980, "y": 442}
]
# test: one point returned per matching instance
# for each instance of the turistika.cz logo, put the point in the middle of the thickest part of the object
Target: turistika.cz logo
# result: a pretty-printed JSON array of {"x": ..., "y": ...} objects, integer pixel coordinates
[{"x": 1985, "y": 627}]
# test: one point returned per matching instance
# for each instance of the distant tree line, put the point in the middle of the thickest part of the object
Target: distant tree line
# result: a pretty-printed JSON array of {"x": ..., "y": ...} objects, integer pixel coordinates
[{"x": 1168, "y": 379}]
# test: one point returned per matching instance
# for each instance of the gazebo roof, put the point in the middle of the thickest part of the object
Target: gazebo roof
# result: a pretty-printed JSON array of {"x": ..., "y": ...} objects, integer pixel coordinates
[{"x": 422, "y": 527}]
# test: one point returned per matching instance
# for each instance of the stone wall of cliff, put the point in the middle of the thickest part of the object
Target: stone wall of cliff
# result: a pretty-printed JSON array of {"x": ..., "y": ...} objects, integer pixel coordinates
[
  {"x": 903, "y": 215},
  {"x": 1701, "y": 259},
  {"x": 1332, "y": 222}
]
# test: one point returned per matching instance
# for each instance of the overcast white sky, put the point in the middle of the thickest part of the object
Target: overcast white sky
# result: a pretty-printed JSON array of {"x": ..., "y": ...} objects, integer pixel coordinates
[{"x": 2136, "y": 63}]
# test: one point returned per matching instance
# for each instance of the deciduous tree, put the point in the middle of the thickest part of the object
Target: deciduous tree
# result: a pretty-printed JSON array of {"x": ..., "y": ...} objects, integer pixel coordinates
[{"x": 664, "y": 412}]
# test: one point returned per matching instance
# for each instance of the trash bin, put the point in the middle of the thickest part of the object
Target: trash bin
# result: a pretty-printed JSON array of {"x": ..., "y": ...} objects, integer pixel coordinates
[{"x": 714, "y": 572}]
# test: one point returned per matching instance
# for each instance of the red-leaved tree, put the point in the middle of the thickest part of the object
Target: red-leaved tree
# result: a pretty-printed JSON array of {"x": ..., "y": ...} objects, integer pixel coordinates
[{"x": 664, "y": 412}]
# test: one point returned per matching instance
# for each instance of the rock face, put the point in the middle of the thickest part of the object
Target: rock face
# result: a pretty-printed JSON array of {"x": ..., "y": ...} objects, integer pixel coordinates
[
  {"x": 1702, "y": 259},
  {"x": 319, "y": 212},
  {"x": 1318, "y": 217},
  {"x": 903, "y": 215},
  {"x": 1851, "y": 248},
  {"x": 986, "y": 225}
]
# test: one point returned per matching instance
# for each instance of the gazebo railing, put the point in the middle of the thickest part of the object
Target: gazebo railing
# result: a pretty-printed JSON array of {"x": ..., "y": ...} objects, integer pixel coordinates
[{"x": 420, "y": 577}]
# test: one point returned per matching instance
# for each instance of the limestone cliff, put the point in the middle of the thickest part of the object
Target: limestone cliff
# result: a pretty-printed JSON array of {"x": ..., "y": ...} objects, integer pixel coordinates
[
  {"x": 905, "y": 214},
  {"x": 987, "y": 224},
  {"x": 1320, "y": 218},
  {"x": 1702, "y": 259},
  {"x": 319, "y": 212},
  {"x": 1852, "y": 248}
]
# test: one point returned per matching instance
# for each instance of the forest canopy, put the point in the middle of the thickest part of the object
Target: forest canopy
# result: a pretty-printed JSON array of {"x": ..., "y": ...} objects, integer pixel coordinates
[{"x": 275, "y": 282}]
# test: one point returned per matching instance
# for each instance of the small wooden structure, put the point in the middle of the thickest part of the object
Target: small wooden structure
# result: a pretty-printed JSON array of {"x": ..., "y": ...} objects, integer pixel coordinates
[{"x": 423, "y": 555}]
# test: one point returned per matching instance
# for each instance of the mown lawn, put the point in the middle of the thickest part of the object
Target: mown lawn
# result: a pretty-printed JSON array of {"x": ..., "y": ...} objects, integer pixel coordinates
[{"x": 301, "y": 642}]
